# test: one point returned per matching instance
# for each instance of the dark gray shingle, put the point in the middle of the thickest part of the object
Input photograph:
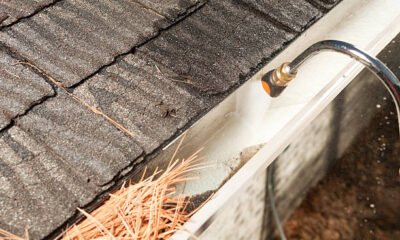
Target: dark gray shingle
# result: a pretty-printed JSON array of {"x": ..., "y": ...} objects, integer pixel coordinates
[
  {"x": 324, "y": 4},
  {"x": 84, "y": 139},
  {"x": 20, "y": 88},
  {"x": 11, "y": 11},
  {"x": 39, "y": 189},
  {"x": 72, "y": 39},
  {"x": 286, "y": 11},
  {"x": 143, "y": 97},
  {"x": 171, "y": 9},
  {"x": 216, "y": 45}
]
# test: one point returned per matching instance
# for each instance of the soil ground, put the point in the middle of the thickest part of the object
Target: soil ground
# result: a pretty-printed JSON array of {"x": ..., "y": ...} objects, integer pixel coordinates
[{"x": 360, "y": 196}]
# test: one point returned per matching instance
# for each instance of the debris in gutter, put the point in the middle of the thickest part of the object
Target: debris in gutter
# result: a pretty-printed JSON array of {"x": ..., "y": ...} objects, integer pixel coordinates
[{"x": 149, "y": 209}]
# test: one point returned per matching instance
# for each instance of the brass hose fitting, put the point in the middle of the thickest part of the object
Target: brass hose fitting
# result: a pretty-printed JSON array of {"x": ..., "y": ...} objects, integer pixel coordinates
[
  {"x": 282, "y": 75},
  {"x": 275, "y": 81}
]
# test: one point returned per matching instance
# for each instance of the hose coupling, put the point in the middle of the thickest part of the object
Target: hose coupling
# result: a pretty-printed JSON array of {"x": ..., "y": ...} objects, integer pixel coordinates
[{"x": 275, "y": 81}]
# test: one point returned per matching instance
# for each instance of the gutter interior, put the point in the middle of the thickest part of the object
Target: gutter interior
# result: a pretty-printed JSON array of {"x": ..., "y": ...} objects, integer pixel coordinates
[{"x": 292, "y": 111}]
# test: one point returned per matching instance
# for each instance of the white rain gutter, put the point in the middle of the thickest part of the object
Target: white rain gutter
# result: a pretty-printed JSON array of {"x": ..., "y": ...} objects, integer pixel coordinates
[{"x": 248, "y": 117}]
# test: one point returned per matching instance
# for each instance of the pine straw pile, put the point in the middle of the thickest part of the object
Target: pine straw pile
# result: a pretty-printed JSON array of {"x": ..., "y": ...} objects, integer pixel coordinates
[{"x": 148, "y": 210}]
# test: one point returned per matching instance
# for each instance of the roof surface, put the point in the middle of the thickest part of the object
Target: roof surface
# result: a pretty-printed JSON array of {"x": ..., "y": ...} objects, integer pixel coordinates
[{"x": 90, "y": 88}]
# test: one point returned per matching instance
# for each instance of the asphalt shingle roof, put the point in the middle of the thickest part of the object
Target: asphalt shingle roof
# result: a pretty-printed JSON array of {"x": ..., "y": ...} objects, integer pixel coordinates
[{"x": 90, "y": 88}]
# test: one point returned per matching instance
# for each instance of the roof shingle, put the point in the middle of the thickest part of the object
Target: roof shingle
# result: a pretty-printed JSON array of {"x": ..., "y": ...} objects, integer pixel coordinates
[
  {"x": 84, "y": 139},
  {"x": 72, "y": 39},
  {"x": 286, "y": 11},
  {"x": 20, "y": 88},
  {"x": 216, "y": 45},
  {"x": 143, "y": 97},
  {"x": 11, "y": 11}
]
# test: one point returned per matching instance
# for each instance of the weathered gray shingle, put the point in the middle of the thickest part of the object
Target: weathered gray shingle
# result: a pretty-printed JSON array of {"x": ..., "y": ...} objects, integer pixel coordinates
[
  {"x": 170, "y": 8},
  {"x": 143, "y": 97},
  {"x": 12, "y": 10},
  {"x": 39, "y": 189},
  {"x": 84, "y": 139},
  {"x": 72, "y": 39},
  {"x": 324, "y": 4},
  {"x": 286, "y": 11},
  {"x": 20, "y": 88},
  {"x": 216, "y": 45}
]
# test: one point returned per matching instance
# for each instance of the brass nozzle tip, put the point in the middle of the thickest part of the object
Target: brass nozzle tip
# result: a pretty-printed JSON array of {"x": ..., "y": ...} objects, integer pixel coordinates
[{"x": 282, "y": 75}]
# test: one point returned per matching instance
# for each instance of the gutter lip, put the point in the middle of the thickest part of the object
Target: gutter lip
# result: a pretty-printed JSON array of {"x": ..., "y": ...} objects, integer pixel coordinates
[{"x": 350, "y": 15}]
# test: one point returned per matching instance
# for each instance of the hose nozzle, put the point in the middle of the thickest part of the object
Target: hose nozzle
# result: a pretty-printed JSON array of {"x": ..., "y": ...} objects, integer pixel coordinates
[{"x": 275, "y": 81}]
